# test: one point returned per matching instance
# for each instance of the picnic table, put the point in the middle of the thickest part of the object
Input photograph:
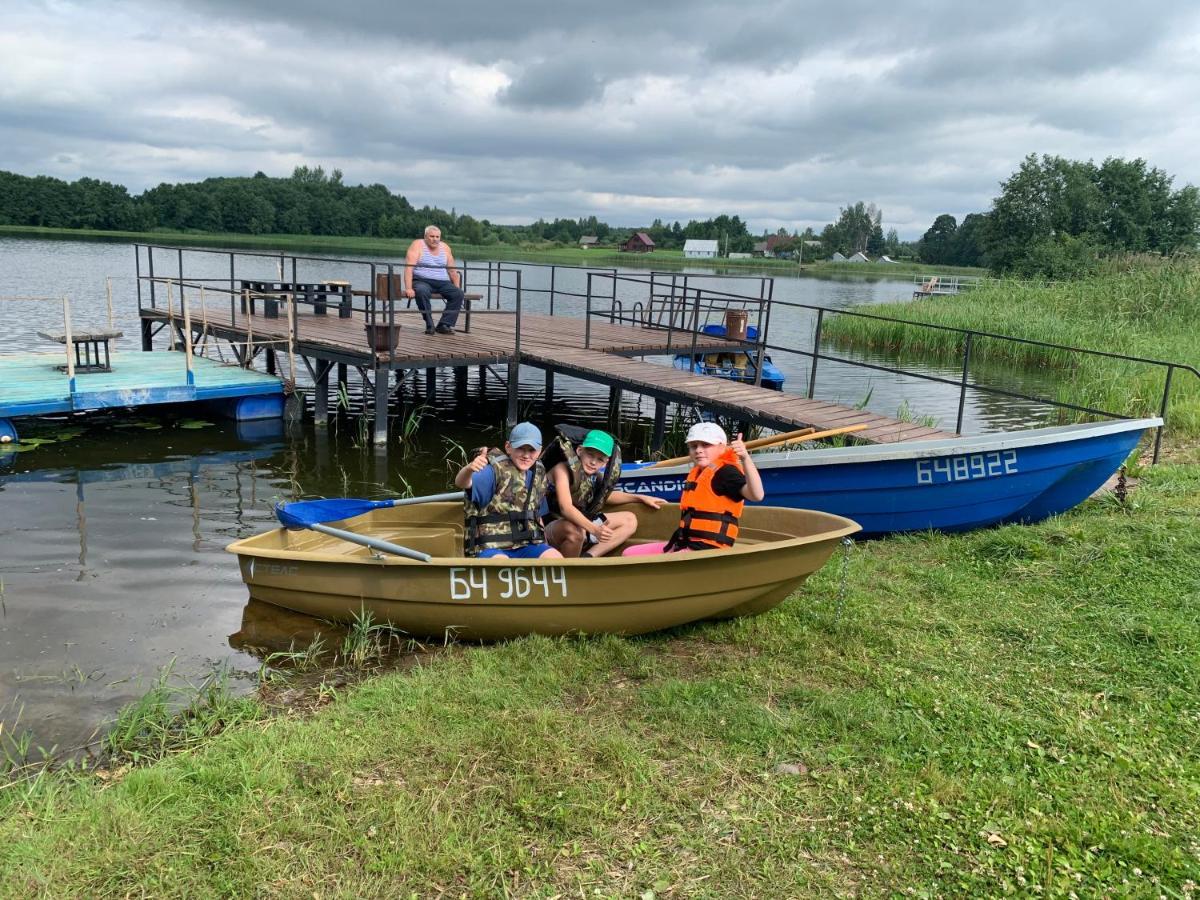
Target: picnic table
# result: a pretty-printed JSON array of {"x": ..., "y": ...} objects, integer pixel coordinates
[{"x": 89, "y": 345}]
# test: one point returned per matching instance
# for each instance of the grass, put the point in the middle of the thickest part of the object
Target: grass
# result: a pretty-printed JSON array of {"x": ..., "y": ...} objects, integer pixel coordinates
[
  {"x": 1011, "y": 711},
  {"x": 1135, "y": 309}
]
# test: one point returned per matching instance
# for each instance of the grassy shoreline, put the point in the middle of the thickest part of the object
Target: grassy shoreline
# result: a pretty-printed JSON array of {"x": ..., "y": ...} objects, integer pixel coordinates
[
  {"x": 1146, "y": 311},
  {"x": 392, "y": 247},
  {"x": 1009, "y": 711}
]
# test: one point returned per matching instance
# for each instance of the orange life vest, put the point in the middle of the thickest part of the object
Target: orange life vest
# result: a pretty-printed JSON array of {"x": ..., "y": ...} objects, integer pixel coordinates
[{"x": 707, "y": 519}]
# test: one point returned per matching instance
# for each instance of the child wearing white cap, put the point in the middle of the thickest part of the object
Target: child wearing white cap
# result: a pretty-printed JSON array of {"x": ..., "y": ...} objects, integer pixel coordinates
[{"x": 722, "y": 479}]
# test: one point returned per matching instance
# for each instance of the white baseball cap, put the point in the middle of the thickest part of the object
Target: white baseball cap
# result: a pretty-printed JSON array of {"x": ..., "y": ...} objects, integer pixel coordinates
[{"x": 707, "y": 432}]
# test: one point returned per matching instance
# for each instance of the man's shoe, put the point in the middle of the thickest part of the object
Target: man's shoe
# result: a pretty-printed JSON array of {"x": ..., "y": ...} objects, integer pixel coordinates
[
  {"x": 429, "y": 329},
  {"x": 444, "y": 329}
]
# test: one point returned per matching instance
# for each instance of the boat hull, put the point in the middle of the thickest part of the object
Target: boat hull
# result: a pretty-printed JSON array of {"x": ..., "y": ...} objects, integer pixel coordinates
[
  {"x": 500, "y": 598},
  {"x": 947, "y": 485}
]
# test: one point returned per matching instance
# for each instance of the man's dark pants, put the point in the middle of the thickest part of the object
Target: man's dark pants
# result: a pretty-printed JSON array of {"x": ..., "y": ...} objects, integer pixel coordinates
[{"x": 453, "y": 296}]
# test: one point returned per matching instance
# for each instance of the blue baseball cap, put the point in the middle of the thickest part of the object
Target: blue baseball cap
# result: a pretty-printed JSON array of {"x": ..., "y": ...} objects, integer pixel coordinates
[{"x": 526, "y": 434}]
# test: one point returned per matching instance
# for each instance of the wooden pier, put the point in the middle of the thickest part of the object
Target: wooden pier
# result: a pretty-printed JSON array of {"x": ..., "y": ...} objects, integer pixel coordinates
[{"x": 603, "y": 354}]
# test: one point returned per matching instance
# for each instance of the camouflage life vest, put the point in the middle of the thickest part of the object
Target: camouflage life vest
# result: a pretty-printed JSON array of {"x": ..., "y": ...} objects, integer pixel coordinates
[
  {"x": 589, "y": 493},
  {"x": 510, "y": 519}
]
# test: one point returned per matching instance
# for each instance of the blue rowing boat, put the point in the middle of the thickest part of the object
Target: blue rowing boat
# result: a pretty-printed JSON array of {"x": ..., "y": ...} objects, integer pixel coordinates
[{"x": 953, "y": 484}]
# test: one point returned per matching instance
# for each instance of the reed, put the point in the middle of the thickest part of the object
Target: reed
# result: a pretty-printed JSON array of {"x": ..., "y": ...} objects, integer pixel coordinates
[{"x": 1133, "y": 307}]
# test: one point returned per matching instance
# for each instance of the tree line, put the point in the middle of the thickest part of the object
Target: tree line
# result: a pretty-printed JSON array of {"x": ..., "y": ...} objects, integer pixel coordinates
[
  {"x": 1057, "y": 217},
  {"x": 1054, "y": 217}
]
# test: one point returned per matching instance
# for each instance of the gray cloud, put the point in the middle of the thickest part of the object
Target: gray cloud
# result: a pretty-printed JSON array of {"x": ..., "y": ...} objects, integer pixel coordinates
[{"x": 777, "y": 112}]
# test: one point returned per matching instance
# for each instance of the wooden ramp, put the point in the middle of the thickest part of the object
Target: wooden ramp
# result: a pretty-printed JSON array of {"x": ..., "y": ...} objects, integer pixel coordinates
[{"x": 746, "y": 402}]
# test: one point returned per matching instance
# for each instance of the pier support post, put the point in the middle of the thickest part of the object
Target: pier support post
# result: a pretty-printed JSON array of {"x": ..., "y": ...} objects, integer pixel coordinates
[
  {"x": 482, "y": 381},
  {"x": 342, "y": 379},
  {"x": 430, "y": 384},
  {"x": 321, "y": 397},
  {"x": 460, "y": 382},
  {"x": 270, "y": 362},
  {"x": 660, "y": 426},
  {"x": 614, "y": 405},
  {"x": 147, "y": 336},
  {"x": 380, "y": 435},
  {"x": 514, "y": 381},
  {"x": 549, "y": 389}
]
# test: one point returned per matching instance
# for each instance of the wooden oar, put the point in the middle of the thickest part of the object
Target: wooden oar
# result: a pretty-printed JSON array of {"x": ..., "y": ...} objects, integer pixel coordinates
[{"x": 804, "y": 433}]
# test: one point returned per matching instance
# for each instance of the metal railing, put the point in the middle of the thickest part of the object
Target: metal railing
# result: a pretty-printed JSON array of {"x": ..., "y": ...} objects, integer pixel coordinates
[{"x": 679, "y": 304}]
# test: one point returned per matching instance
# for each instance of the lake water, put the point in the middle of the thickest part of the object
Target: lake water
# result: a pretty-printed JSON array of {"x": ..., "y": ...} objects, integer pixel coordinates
[{"x": 112, "y": 534}]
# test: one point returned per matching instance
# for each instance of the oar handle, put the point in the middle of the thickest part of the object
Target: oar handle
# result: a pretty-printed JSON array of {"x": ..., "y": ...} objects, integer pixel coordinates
[
  {"x": 432, "y": 498},
  {"x": 373, "y": 543}
]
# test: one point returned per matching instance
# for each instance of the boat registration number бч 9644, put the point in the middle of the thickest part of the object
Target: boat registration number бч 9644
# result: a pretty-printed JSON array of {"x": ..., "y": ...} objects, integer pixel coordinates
[
  {"x": 964, "y": 468},
  {"x": 470, "y": 583}
]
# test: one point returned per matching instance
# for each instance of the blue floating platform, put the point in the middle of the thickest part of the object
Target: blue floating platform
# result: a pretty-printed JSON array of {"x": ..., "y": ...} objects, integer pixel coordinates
[{"x": 34, "y": 384}]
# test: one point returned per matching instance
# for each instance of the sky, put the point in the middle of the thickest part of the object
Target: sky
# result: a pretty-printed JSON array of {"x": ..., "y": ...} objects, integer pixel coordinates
[{"x": 779, "y": 112}]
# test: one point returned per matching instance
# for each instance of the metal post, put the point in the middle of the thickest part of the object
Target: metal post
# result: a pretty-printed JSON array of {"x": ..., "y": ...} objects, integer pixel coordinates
[
  {"x": 695, "y": 320},
  {"x": 962, "y": 391},
  {"x": 232, "y": 291},
  {"x": 614, "y": 405},
  {"x": 187, "y": 339},
  {"x": 660, "y": 426},
  {"x": 181, "y": 279},
  {"x": 137, "y": 272},
  {"x": 812, "y": 375},
  {"x": 553, "y": 272},
  {"x": 150, "y": 266},
  {"x": 514, "y": 367},
  {"x": 381, "y": 407},
  {"x": 587, "y": 319},
  {"x": 321, "y": 397},
  {"x": 1162, "y": 413}
]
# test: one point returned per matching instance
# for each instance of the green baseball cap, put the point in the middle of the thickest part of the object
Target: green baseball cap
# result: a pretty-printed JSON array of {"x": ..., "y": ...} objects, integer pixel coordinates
[{"x": 600, "y": 441}]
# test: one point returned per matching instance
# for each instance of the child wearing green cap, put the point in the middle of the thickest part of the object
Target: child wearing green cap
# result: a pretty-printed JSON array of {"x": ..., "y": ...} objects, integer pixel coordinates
[{"x": 580, "y": 486}]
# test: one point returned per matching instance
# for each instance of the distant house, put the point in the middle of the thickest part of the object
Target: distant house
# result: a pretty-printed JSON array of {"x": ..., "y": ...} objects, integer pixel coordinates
[
  {"x": 837, "y": 257},
  {"x": 859, "y": 257},
  {"x": 779, "y": 245},
  {"x": 588, "y": 242},
  {"x": 740, "y": 255},
  {"x": 760, "y": 249},
  {"x": 886, "y": 259},
  {"x": 700, "y": 249},
  {"x": 639, "y": 243}
]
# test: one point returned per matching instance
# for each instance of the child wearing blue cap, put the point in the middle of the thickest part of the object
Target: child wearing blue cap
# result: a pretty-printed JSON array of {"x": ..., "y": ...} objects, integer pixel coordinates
[{"x": 505, "y": 499}]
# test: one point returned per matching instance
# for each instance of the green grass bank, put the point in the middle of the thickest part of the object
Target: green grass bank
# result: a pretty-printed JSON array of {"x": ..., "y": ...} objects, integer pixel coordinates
[
  {"x": 1012, "y": 711},
  {"x": 1139, "y": 309}
]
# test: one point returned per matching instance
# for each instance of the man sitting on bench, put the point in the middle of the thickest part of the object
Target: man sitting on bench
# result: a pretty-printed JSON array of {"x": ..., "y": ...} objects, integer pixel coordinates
[{"x": 428, "y": 269}]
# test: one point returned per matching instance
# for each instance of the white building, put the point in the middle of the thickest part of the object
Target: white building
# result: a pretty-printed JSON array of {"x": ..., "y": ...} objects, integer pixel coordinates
[
  {"x": 859, "y": 257},
  {"x": 700, "y": 249},
  {"x": 837, "y": 257}
]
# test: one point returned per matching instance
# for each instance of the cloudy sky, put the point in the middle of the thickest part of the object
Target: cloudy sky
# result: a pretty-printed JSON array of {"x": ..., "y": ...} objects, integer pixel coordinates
[{"x": 780, "y": 112}]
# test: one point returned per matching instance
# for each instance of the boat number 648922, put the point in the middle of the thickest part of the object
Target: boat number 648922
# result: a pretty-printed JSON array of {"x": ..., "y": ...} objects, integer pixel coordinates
[
  {"x": 511, "y": 582},
  {"x": 964, "y": 468}
]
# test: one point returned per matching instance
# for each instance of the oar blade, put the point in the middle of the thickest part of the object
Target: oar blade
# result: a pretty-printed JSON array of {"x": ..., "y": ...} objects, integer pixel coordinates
[{"x": 303, "y": 513}]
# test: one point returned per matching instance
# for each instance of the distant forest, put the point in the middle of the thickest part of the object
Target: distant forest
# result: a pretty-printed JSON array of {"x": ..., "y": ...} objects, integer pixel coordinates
[
  {"x": 1054, "y": 217},
  {"x": 309, "y": 202}
]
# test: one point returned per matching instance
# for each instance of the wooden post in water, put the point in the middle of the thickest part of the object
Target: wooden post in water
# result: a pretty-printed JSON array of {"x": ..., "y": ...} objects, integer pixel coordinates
[
  {"x": 187, "y": 341},
  {"x": 108, "y": 293},
  {"x": 70, "y": 350}
]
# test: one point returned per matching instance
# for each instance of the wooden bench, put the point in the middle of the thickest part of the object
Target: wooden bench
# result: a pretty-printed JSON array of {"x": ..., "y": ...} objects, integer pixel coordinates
[
  {"x": 88, "y": 346},
  {"x": 381, "y": 293}
]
